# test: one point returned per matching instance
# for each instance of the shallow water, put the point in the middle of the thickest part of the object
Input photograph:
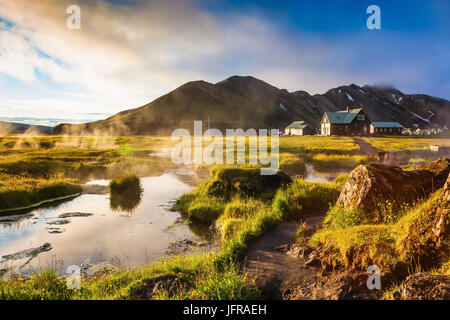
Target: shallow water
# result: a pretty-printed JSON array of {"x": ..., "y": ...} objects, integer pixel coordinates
[
  {"x": 118, "y": 237},
  {"x": 313, "y": 175}
]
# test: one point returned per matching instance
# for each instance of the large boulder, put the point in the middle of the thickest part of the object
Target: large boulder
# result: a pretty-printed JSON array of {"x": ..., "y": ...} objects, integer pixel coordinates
[{"x": 373, "y": 185}]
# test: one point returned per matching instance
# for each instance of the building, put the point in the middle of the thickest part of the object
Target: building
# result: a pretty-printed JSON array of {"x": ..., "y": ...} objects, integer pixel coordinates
[
  {"x": 386, "y": 128},
  {"x": 345, "y": 123},
  {"x": 298, "y": 128},
  {"x": 442, "y": 151}
]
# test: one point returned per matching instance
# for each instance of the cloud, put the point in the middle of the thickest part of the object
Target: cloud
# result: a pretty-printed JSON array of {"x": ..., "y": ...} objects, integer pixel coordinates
[{"x": 126, "y": 55}]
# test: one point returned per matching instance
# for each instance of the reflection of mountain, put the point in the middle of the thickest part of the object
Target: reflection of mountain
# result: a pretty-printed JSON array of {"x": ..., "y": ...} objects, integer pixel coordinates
[
  {"x": 246, "y": 102},
  {"x": 22, "y": 128}
]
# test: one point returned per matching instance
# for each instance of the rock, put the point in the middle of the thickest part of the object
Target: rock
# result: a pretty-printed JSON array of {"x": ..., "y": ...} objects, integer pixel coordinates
[
  {"x": 370, "y": 185},
  {"x": 441, "y": 227},
  {"x": 59, "y": 222},
  {"x": 313, "y": 260},
  {"x": 74, "y": 214},
  {"x": 353, "y": 286},
  {"x": 297, "y": 250},
  {"x": 88, "y": 270},
  {"x": 428, "y": 241},
  {"x": 33, "y": 252},
  {"x": 15, "y": 218},
  {"x": 55, "y": 230},
  {"x": 423, "y": 286},
  {"x": 182, "y": 246}
]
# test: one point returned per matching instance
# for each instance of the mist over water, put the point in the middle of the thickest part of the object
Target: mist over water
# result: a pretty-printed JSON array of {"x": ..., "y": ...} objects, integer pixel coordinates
[{"x": 120, "y": 237}]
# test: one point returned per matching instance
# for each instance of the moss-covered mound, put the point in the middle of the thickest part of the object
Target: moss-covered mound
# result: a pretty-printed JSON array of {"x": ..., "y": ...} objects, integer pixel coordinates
[
  {"x": 419, "y": 239},
  {"x": 229, "y": 181},
  {"x": 207, "y": 202}
]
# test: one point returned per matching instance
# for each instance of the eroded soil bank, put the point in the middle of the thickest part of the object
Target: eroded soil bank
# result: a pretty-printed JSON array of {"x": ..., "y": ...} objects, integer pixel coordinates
[{"x": 287, "y": 270}]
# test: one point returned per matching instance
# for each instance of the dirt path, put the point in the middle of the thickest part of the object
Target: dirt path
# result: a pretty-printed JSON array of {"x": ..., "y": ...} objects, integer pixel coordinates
[
  {"x": 366, "y": 147},
  {"x": 280, "y": 276}
]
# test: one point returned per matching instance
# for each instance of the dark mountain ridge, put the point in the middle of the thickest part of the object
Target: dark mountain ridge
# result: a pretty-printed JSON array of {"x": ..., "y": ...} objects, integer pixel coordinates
[{"x": 247, "y": 102}]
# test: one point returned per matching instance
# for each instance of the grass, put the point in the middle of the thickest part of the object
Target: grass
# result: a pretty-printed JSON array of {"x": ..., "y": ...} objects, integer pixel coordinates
[
  {"x": 409, "y": 147},
  {"x": 351, "y": 243},
  {"x": 33, "y": 169},
  {"x": 205, "y": 282},
  {"x": 323, "y": 162},
  {"x": 16, "y": 192},
  {"x": 202, "y": 276},
  {"x": 303, "y": 197},
  {"x": 232, "y": 199},
  {"x": 405, "y": 143},
  {"x": 207, "y": 201}
]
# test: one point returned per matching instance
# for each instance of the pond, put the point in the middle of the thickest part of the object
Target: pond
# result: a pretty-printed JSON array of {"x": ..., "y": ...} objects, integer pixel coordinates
[
  {"x": 86, "y": 228},
  {"x": 319, "y": 176}
]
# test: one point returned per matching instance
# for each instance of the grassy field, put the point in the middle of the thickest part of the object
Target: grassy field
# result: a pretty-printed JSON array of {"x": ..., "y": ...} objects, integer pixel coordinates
[
  {"x": 45, "y": 167},
  {"x": 240, "y": 221},
  {"x": 406, "y": 143}
]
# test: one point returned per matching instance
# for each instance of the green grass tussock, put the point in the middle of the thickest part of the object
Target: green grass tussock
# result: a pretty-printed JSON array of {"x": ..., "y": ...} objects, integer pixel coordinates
[{"x": 302, "y": 197}]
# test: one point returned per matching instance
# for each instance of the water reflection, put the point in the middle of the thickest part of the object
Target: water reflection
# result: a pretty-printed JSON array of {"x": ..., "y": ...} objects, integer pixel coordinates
[
  {"x": 125, "y": 197},
  {"x": 106, "y": 235},
  {"x": 313, "y": 175}
]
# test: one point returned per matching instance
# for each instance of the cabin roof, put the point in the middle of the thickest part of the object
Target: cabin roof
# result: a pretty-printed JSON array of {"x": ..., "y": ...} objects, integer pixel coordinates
[
  {"x": 386, "y": 125},
  {"x": 342, "y": 117},
  {"x": 297, "y": 125}
]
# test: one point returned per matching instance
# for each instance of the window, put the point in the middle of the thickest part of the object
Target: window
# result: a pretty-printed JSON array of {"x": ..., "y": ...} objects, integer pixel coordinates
[{"x": 360, "y": 117}]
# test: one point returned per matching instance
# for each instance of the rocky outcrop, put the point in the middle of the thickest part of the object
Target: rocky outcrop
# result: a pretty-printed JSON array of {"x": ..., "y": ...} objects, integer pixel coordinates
[
  {"x": 371, "y": 186},
  {"x": 441, "y": 227},
  {"x": 423, "y": 286},
  {"x": 426, "y": 242}
]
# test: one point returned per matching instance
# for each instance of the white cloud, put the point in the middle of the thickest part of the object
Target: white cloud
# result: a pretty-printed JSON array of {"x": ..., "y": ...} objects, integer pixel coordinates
[{"x": 126, "y": 56}]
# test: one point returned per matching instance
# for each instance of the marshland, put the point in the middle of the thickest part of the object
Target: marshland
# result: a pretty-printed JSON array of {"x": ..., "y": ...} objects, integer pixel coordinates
[{"x": 150, "y": 229}]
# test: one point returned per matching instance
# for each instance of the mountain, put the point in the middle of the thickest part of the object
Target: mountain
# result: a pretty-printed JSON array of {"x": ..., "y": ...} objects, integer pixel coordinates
[
  {"x": 247, "y": 102},
  {"x": 22, "y": 128}
]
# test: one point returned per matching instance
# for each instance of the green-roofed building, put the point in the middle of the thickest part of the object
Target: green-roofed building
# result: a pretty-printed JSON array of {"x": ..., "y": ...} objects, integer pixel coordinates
[
  {"x": 298, "y": 128},
  {"x": 386, "y": 128},
  {"x": 350, "y": 122}
]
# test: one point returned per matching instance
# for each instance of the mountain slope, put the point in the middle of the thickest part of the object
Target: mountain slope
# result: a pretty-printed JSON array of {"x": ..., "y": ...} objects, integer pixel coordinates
[
  {"x": 22, "y": 128},
  {"x": 246, "y": 102}
]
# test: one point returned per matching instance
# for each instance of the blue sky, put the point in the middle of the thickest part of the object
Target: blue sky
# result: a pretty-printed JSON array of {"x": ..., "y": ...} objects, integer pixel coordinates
[{"x": 131, "y": 52}]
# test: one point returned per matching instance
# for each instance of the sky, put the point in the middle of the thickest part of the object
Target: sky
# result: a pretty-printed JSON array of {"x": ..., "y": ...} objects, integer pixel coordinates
[{"x": 127, "y": 53}]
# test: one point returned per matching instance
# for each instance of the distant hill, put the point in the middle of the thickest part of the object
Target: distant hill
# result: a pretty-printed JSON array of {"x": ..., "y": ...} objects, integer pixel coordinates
[
  {"x": 22, "y": 128},
  {"x": 246, "y": 102}
]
